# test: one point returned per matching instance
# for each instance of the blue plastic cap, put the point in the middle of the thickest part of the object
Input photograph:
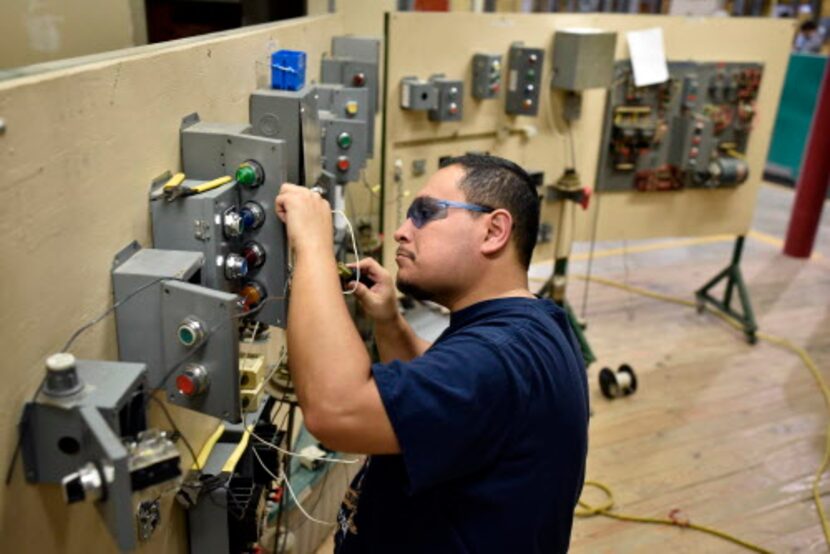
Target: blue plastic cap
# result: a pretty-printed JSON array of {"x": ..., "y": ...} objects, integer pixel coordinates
[{"x": 288, "y": 69}]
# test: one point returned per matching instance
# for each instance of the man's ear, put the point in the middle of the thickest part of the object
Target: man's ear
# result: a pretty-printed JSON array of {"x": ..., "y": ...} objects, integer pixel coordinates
[{"x": 499, "y": 230}]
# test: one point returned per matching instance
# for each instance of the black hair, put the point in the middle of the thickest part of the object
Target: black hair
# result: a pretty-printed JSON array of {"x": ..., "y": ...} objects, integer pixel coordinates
[
  {"x": 498, "y": 183},
  {"x": 809, "y": 25}
]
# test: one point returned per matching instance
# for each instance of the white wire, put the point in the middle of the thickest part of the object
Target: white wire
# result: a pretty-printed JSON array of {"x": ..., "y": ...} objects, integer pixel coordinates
[
  {"x": 342, "y": 214},
  {"x": 282, "y": 478},
  {"x": 298, "y": 455}
]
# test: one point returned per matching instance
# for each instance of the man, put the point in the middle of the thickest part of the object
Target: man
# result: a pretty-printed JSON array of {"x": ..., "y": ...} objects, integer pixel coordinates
[{"x": 478, "y": 441}]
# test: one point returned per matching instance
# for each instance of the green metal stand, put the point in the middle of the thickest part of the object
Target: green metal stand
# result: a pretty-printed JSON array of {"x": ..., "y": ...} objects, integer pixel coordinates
[
  {"x": 554, "y": 288},
  {"x": 734, "y": 279}
]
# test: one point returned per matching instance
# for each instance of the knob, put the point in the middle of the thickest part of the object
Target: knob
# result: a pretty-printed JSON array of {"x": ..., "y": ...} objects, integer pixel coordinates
[
  {"x": 252, "y": 214},
  {"x": 191, "y": 332},
  {"x": 193, "y": 381},
  {"x": 84, "y": 484},
  {"x": 232, "y": 224},
  {"x": 61, "y": 375},
  {"x": 236, "y": 267},
  {"x": 250, "y": 174},
  {"x": 254, "y": 254}
]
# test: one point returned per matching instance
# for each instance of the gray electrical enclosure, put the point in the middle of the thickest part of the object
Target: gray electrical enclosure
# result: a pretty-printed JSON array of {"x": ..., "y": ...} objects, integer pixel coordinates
[
  {"x": 149, "y": 329},
  {"x": 234, "y": 226},
  {"x": 354, "y": 63},
  {"x": 418, "y": 95},
  {"x": 81, "y": 431},
  {"x": 583, "y": 59},
  {"x": 486, "y": 76},
  {"x": 524, "y": 76},
  {"x": 450, "y": 99}
]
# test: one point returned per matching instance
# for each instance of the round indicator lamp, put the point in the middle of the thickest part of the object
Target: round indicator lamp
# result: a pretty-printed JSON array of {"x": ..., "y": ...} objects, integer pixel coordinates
[
  {"x": 352, "y": 108},
  {"x": 527, "y": 103},
  {"x": 254, "y": 254},
  {"x": 358, "y": 79},
  {"x": 343, "y": 164},
  {"x": 191, "y": 332},
  {"x": 193, "y": 381},
  {"x": 250, "y": 174},
  {"x": 344, "y": 140},
  {"x": 252, "y": 294}
]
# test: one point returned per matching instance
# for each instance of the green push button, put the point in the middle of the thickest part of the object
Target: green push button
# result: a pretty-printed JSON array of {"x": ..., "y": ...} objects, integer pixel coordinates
[
  {"x": 531, "y": 74},
  {"x": 344, "y": 140},
  {"x": 186, "y": 336},
  {"x": 246, "y": 175}
]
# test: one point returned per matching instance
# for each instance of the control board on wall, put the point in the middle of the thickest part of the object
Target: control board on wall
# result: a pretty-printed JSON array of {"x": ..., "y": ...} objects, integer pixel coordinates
[{"x": 690, "y": 132}]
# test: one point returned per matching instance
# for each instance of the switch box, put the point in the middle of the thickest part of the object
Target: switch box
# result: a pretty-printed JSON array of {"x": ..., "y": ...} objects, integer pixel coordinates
[
  {"x": 354, "y": 63},
  {"x": 583, "y": 59},
  {"x": 418, "y": 95},
  {"x": 186, "y": 334},
  {"x": 524, "y": 77},
  {"x": 450, "y": 99},
  {"x": 348, "y": 103},
  {"x": 486, "y": 76},
  {"x": 234, "y": 226},
  {"x": 344, "y": 147}
]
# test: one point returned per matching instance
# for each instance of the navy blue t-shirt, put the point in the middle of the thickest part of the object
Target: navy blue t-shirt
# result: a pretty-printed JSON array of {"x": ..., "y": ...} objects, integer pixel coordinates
[{"x": 492, "y": 422}]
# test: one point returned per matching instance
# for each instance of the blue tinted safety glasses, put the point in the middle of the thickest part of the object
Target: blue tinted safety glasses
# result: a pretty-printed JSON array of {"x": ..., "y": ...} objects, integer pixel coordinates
[{"x": 425, "y": 209}]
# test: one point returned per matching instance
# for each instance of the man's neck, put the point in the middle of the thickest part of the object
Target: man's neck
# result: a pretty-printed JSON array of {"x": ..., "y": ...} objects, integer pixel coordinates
[{"x": 501, "y": 288}]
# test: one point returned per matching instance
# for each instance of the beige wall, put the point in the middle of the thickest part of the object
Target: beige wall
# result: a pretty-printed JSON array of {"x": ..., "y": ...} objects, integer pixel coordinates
[
  {"x": 35, "y": 31},
  {"x": 80, "y": 149}
]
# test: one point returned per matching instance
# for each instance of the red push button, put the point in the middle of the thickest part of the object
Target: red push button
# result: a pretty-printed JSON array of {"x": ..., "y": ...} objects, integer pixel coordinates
[{"x": 343, "y": 164}]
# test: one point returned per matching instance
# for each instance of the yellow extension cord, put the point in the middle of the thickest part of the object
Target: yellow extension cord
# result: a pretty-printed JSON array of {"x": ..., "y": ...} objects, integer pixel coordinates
[{"x": 588, "y": 510}]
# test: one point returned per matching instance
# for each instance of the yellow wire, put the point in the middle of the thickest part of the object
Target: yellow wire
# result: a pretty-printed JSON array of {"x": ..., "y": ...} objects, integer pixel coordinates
[{"x": 772, "y": 339}]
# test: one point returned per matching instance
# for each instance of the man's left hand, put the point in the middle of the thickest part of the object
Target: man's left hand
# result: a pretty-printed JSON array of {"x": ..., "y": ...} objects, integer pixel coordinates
[{"x": 307, "y": 218}]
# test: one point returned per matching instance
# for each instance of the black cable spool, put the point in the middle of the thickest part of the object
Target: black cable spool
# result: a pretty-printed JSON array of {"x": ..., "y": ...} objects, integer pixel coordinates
[{"x": 617, "y": 384}]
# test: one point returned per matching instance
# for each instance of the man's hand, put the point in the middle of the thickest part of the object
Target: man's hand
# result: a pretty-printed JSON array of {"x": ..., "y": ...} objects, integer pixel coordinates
[
  {"x": 307, "y": 218},
  {"x": 379, "y": 302}
]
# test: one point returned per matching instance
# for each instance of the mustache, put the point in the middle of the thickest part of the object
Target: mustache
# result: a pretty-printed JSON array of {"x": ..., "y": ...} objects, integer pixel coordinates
[{"x": 404, "y": 252}]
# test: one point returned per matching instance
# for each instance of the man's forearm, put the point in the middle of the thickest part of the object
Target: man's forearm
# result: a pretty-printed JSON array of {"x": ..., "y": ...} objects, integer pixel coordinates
[
  {"x": 397, "y": 341},
  {"x": 328, "y": 359}
]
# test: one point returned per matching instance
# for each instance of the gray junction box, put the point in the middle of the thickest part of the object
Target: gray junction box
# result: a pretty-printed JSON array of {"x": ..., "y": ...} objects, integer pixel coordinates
[{"x": 583, "y": 59}]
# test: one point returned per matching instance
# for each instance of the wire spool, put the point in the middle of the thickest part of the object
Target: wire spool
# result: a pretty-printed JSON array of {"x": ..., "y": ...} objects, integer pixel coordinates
[{"x": 617, "y": 384}]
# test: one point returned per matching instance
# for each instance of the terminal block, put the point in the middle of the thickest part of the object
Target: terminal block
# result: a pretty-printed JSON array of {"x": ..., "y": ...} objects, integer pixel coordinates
[
  {"x": 486, "y": 76},
  {"x": 186, "y": 334},
  {"x": 524, "y": 78},
  {"x": 450, "y": 99},
  {"x": 354, "y": 62},
  {"x": 87, "y": 430},
  {"x": 234, "y": 225}
]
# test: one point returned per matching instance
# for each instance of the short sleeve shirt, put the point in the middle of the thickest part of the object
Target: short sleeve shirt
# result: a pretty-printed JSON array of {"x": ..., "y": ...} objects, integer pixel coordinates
[{"x": 492, "y": 422}]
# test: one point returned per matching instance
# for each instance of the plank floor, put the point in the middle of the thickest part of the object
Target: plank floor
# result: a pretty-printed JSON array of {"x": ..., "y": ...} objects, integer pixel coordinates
[{"x": 728, "y": 433}]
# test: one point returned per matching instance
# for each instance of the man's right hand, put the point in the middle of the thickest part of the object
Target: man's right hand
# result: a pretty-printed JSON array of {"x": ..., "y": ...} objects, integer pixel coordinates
[{"x": 380, "y": 301}]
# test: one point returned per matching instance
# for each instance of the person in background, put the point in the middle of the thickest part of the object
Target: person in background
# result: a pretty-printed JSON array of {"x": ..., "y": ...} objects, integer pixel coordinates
[{"x": 810, "y": 38}]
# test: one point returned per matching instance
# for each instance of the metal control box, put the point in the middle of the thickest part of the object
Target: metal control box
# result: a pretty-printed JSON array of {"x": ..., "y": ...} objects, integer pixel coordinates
[
  {"x": 344, "y": 147},
  {"x": 348, "y": 103},
  {"x": 234, "y": 226},
  {"x": 418, "y": 95},
  {"x": 450, "y": 99},
  {"x": 583, "y": 59},
  {"x": 354, "y": 62},
  {"x": 486, "y": 76},
  {"x": 524, "y": 76},
  {"x": 186, "y": 334}
]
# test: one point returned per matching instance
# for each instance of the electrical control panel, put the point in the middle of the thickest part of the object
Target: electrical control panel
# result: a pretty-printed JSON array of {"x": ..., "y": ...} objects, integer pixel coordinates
[
  {"x": 418, "y": 95},
  {"x": 486, "y": 76},
  {"x": 233, "y": 225},
  {"x": 691, "y": 131},
  {"x": 450, "y": 94},
  {"x": 354, "y": 62},
  {"x": 86, "y": 430},
  {"x": 524, "y": 75},
  {"x": 186, "y": 334}
]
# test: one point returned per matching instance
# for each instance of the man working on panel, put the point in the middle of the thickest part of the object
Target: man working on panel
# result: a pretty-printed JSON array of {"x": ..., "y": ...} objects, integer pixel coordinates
[{"x": 477, "y": 441}]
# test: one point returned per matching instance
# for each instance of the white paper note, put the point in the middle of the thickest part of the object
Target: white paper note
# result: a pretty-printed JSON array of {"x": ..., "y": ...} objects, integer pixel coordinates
[{"x": 648, "y": 58}]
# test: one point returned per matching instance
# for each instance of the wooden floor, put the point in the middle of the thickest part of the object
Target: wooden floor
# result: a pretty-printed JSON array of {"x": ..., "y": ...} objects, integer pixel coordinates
[{"x": 728, "y": 433}]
